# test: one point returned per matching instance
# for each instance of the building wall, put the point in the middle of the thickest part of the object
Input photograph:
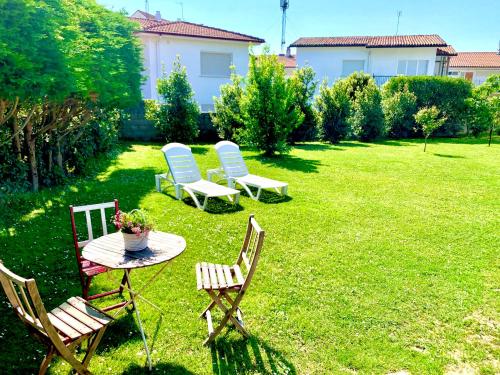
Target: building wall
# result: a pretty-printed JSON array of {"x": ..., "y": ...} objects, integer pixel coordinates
[
  {"x": 478, "y": 75},
  {"x": 327, "y": 61},
  {"x": 160, "y": 52}
]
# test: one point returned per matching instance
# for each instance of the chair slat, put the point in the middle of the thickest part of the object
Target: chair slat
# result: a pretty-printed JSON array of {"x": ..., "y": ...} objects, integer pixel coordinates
[
  {"x": 28, "y": 305},
  {"x": 246, "y": 261},
  {"x": 238, "y": 274},
  {"x": 81, "y": 316},
  {"x": 63, "y": 327},
  {"x": 71, "y": 321},
  {"x": 206, "y": 277},
  {"x": 86, "y": 309},
  {"x": 213, "y": 276},
  {"x": 103, "y": 221},
  {"x": 199, "y": 281},
  {"x": 89, "y": 224},
  {"x": 229, "y": 276},
  {"x": 220, "y": 276}
]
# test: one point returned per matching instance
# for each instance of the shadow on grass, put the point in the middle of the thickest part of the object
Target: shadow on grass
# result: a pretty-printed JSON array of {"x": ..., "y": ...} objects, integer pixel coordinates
[
  {"x": 353, "y": 144},
  {"x": 159, "y": 368},
  {"x": 314, "y": 147},
  {"x": 250, "y": 355},
  {"x": 199, "y": 150},
  {"x": 123, "y": 330},
  {"x": 216, "y": 206},
  {"x": 450, "y": 156},
  {"x": 290, "y": 162},
  {"x": 268, "y": 197}
]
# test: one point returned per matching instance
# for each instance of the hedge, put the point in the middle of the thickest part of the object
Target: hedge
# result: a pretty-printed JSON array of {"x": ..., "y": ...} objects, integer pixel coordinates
[{"x": 447, "y": 94}]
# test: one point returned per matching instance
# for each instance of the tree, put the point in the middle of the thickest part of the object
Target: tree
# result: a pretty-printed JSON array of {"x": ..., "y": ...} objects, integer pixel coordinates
[
  {"x": 60, "y": 62},
  {"x": 399, "y": 110},
  {"x": 269, "y": 111},
  {"x": 489, "y": 94},
  {"x": 367, "y": 118},
  {"x": 428, "y": 119},
  {"x": 228, "y": 117},
  {"x": 333, "y": 108},
  {"x": 177, "y": 114},
  {"x": 303, "y": 85}
]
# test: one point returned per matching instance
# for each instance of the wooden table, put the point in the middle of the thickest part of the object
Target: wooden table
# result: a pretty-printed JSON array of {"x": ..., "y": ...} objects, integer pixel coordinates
[{"x": 109, "y": 251}]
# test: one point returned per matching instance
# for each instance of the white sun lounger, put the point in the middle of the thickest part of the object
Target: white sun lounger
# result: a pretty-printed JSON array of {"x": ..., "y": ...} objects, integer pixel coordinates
[
  {"x": 184, "y": 175},
  {"x": 235, "y": 171}
]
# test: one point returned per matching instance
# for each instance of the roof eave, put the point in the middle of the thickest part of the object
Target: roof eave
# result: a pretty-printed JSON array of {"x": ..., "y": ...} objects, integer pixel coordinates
[{"x": 256, "y": 41}]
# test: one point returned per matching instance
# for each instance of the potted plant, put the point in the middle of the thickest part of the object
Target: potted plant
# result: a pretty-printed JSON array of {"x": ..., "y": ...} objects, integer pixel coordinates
[{"x": 135, "y": 227}]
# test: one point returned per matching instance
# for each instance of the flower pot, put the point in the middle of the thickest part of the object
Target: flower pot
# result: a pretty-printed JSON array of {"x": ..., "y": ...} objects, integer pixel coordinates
[{"x": 134, "y": 242}]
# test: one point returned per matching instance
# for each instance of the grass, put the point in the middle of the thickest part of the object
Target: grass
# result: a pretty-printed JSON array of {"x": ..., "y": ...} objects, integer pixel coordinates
[{"x": 384, "y": 259}]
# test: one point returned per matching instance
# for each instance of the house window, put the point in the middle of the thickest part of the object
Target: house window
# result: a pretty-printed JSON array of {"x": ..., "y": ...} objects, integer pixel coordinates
[
  {"x": 351, "y": 66},
  {"x": 215, "y": 64},
  {"x": 413, "y": 67}
]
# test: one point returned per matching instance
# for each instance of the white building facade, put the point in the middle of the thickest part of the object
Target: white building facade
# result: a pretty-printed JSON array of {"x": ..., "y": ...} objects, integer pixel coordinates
[
  {"x": 206, "y": 52},
  {"x": 382, "y": 57},
  {"x": 475, "y": 66}
]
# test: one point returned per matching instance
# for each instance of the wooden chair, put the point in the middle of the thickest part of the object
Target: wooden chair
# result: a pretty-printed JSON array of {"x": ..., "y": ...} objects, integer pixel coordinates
[
  {"x": 86, "y": 268},
  {"x": 228, "y": 284},
  {"x": 63, "y": 329}
]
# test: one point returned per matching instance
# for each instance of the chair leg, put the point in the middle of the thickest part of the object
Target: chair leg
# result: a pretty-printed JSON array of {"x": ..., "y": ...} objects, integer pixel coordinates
[
  {"x": 46, "y": 361},
  {"x": 86, "y": 287},
  {"x": 93, "y": 346},
  {"x": 209, "y": 307},
  {"x": 123, "y": 282}
]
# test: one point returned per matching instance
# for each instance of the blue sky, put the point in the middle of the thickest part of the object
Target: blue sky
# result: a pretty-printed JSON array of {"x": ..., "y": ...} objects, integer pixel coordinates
[{"x": 472, "y": 25}]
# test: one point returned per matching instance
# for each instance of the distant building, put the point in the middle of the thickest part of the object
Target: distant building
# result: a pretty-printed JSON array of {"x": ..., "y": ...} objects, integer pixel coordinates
[
  {"x": 289, "y": 61},
  {"x": 380, "y": 56},
  {"x": 207, "y": 52},
  {"x": 475, "y": 66}
]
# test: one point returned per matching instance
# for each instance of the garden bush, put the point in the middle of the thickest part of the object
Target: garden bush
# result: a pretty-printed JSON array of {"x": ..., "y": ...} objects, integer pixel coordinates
[
  {"x": 399, "y": 110},
  {"x": 228, "y": 117},
  {"x": 366, "y": 117},
  {"x": 176, "y": 115},
  {"x": 333, "y": 108},
  {"x": 303, "y": 85},
  {"x": 269, "y": 109},
  {"x": 447, "y": 94}
]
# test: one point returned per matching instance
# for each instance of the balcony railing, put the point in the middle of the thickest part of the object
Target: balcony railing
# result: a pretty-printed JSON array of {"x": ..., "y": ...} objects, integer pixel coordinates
[{"x": 380, "y": 80}]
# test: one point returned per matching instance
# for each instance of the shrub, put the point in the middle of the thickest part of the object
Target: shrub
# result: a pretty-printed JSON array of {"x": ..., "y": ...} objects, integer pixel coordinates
[
  {"x": 447, "y": 94},
  {"x": 428, "y": 119},
  {"x": 333, "y": 108},
  {"x": 399, "y": 110},
  {"x": 367, "y": 119},
  {"x": 176, "y": 116},
  {"x": 269, "y": 111},
  {"x": 303, "y": 85},
  {"x": 489, "y": 93},
  {"x": 228, "y": 118}
]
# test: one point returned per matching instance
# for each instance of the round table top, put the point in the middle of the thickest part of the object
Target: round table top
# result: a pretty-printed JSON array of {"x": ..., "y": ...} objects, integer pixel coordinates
[{"x": 109, "y": 251}]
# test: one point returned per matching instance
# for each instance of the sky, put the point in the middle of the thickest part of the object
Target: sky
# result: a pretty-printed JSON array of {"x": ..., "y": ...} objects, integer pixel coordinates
[{"x": 472, "y": 25}]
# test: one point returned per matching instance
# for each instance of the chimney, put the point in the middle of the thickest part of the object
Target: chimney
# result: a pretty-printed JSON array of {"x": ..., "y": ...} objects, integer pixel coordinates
[
  {"x": 158, "y": 15},
  {"x": 288, "y": 52}
]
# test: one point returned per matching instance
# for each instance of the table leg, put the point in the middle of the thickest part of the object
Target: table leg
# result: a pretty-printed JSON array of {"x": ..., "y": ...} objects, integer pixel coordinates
[{"x": 132, "y": 297}]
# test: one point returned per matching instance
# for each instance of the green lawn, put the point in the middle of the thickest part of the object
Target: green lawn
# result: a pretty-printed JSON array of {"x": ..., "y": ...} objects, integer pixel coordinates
[{"x": 384, "y": 259}]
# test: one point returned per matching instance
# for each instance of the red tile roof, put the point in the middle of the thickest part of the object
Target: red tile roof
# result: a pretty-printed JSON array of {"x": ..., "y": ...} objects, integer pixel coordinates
[
  {"x": 488, "y": 60},
  {"x": 446, "y": 51},
  {"x": 193, "y": 30},
  {"x": 289, "y": 61},
  {"x": 373, "y": 41}
]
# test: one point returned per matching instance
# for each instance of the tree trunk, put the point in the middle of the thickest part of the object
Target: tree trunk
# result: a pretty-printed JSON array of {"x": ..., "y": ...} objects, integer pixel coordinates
[
  {"x": 16, "y": 140},
  {"x": 31, "y": 142},
  {"x": 425, "y": 143},
  {"x": 59, "y": 154},
  {"x": 491, "y": 134}
]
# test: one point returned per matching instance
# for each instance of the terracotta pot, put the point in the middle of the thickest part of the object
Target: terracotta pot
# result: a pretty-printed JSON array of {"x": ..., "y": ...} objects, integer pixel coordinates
[{"x": 134, "y": 242}]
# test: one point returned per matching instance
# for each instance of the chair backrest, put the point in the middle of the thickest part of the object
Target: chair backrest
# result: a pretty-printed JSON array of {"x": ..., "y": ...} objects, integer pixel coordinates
[
  {"x": 181, "y": 163},
  {"x": 230, "y": 157},
  {"x": 87, "y": 210},
  {"x": 25, "y": 300},
  {"x": 250, "y": 251}
]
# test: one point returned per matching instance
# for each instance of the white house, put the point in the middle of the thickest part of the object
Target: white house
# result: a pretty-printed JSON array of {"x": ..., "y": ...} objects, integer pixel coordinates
[
  {"x": 207, "y": 52},
  {"x": 381, "y": 56},
  {"x": 475, "y": 66}
]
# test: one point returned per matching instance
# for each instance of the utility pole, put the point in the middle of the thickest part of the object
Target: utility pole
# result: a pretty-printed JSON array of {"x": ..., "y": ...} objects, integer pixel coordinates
[
  {"x": 146, "y": 5},
  {"x": 284, "y": 4},
  {"x": 182, "y": 9},
  {"x": 397, "y": 25}
]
